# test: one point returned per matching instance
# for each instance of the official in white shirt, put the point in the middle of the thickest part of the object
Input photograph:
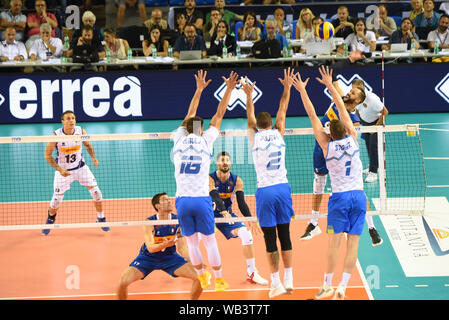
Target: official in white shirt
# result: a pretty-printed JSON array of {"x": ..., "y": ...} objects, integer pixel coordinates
[
  {"x": 46, "y": 47},
  {"x": 10, "y": 49},
  {"x": 371, "y": 112}
]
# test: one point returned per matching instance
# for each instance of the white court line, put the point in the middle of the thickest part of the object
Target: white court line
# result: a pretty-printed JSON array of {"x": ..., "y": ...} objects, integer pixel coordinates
[
  {"x": 365, "y": 283},
  {"x": 436, "y": 158},
  {"x": 155, "y": 293},
  {"x": 440, "y": 186},
  {"x": 391, "y": 286}
]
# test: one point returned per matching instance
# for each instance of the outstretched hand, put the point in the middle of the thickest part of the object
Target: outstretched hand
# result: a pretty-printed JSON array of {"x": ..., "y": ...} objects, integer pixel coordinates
[
  {"x": 298, "y": 83},
  {"x": 247, "y": 88},
  {"x": 326, "y": 76},
  {"x": 231, "y": 82},
  {"x": 200, "y": 78},
  {"x": 287, "y": 82}
]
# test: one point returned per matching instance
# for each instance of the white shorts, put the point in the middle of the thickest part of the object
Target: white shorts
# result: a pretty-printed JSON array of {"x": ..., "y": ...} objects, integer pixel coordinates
[{"x": 83, "y": 175}]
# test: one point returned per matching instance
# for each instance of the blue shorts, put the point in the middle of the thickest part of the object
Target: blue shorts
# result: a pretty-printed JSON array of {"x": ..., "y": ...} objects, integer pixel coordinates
[
  {"x": 319, "y": 163},
  {"x": 226, "y": 228},
  {"x": 168, "y": 263},
  {"x": 274, "y": 205},
  {"x": 346, "y": 212},
  {"x": 195, "y": 214}
]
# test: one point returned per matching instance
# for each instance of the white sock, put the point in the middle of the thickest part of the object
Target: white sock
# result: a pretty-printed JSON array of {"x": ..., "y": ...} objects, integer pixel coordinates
[
  {"x": 100, "y": 214},
  {"x": 288, "y": 274},
  {"x": 251, "y": 265},
  {"x": 199, "y": 271},
  {"x": 345, "y": 279},
  {"x": 218, "y": 273},
  {"x": 314, "y": 221},
  {"x": 328, "y": 279},
  {"x": 369, "y": 220},
  {"x": 275, "y": 281}
]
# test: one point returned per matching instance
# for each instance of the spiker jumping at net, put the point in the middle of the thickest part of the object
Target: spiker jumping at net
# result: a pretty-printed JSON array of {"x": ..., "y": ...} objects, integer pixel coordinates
[
  {"x": 347, "y": 204},
  {"x": 70, "y": 166}
]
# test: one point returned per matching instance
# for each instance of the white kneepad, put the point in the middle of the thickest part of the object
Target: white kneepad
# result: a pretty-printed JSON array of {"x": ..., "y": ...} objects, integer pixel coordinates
[
  {"x": 96, "y": 194},
  {"x": 246, "y": 236},
  {"x": 56, "y": 201},
  {"x": 319, "y": 183}
]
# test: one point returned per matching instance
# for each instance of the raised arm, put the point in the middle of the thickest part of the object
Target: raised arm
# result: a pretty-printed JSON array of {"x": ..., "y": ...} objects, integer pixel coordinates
[
  {"x": 326, "y": 79},
  {"x": 201, "y": 84},
  {"x": 320, "y": 135},
  {"x": 249, "y": 89},
  {"x": 287, "y": 82},
  {"x": 231, "y": 82}
]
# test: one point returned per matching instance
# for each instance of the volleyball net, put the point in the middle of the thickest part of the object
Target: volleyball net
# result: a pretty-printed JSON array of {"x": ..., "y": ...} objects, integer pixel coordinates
[{"x": 134, "y": 167}]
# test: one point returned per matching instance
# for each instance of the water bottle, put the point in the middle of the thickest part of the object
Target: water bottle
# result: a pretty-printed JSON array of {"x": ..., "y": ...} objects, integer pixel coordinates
[
  {"x": 108, "y": 55},
  {"x": 290, "y": 50},
  {"x": 287, "y": 35},
  {"x": 225, "y": 52},
  {"x": 130, "y": 54},
  {"x": 170, "y": 51},
  {"x": 65, "y": 48},
  {"x": 345, "y": 50},
  {"x": 436, "y": 50},
  {"x": 238, "y": 51},
  {"x": 285, "y": 52},
  {"x": 413, "y": 47},
  {"x": 154, "y": 52}
]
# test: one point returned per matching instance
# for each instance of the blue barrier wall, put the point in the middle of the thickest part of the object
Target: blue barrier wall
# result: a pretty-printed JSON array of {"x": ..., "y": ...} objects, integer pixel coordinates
[{"x": 166, "y": 94}]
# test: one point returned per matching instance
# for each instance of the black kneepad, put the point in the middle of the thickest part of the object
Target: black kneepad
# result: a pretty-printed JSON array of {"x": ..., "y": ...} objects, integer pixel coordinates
[
  {"x": 284, "y": 236},
  {"x": 269, "y": 234}
]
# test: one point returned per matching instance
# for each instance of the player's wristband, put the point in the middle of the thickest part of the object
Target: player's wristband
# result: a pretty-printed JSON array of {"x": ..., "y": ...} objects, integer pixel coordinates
[
  {"x": 243, "y": 207},
  {"x": 219, "y": 204}
]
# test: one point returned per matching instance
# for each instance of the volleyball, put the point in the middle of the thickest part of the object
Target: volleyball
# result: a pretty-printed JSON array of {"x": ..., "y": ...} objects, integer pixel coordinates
[{"x": 325, "y": 30}]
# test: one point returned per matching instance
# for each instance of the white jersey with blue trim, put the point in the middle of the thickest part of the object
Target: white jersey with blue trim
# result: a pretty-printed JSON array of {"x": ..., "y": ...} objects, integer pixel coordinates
[
  {"x": 344, "y": 165},
  {"x": 268, "y": 152},
  {"x": 69, "y": 153},
  {"x": 192, "y": 157}
]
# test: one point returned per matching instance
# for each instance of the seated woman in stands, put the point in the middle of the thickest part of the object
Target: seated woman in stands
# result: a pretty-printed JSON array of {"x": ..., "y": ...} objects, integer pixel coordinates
[
  {"x": 361, "y": 39},
  {"x": 156, "y": 41},
  {"x": 117, "y": 47},
  {"x": 250, "y": 31},
  {"x": 304, "y": 24}
]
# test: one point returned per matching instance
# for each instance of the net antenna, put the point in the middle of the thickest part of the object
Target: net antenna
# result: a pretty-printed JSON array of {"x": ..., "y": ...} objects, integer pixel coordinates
[{"x": 134, "y": 167}]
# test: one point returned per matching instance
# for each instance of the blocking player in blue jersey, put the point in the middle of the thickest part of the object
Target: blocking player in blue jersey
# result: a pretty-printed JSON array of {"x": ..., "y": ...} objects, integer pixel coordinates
[
  {"x": 159, "y": 251},
  {"x": 347, "y": 204},
  {"x": 223, "y": 186}
]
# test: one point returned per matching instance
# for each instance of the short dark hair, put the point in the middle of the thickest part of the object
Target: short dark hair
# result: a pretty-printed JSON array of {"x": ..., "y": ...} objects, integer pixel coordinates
[
  {"x": 407, "y": 18},
  {"x": 337, "y": 129},
  {"x": 444, "y": 15},
  {"x": 87, "y": 28},
  {"x": 190, "y": 123},
  {"x": 264, "y": 120},
  {"x": 317, "y": 18},
  {"x": 67, "y": 112},
  {"x": 223, "y": 154},
  {"x": 156, "y": 198},
  {"x": 110, "y": 31}
]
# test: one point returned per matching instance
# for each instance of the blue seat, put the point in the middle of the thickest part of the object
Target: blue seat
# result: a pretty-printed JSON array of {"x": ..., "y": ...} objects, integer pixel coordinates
[
  {"x": 204, "y": 2},
  {"x": 294, "y": 22},
  {"x": 156, "y": 3},
  {"x": 176, "y": 3},
  {"x": 238, "y": 25},
  {"x": 398, "y": 20}
]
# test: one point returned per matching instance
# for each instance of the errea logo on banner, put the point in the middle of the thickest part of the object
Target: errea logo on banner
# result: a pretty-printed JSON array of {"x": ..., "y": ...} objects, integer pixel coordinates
[
  {"x": 346, "y": 85},
  {"x": 238, "y": 96},
  {"x": 442, "y": 88},
  {"x": 26, "y": 96}
]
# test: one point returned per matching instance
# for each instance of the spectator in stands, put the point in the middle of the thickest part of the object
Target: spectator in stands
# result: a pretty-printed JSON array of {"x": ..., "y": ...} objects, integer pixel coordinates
[
  {"x": 417, "y": 8},
  {"x": 403, "y": 35},
  {"x": 117, "y": 47},
  {"x": 86, "y": 44},
  {"x": 429, "y": 18},
  {"x": 441, "y": 34},
  {"x": 227, "y": 15},
  {"x": 222, "y": 38},
  {"x": 89, "y": 19},
  {"x": 210, "y": 28},
  {"x": 123, "y": 4},
  {"x": 250, "y": 31},
  {"x": 13, "y": 18},
  {"x": 189, "y": 41},
  {"x": 383, "y": 25},
  {"x": 181, "y": 22},
  {"x": 247, "y": 2},
  {"x": 11, "y": 49},
  {"x": 344, "y": 24},
  {"x": 360, "y": 40},
  {"x": 304, "y": 24},
  {"x": 313, "y": 37},
  {"x": 192, "y": 15},
  {"x": 35, "y": 19},
  {"x": 46, "y": 47},
  {"x": 157, "y": 42},
  {"x": 283, "y": 26},
  {"x": 271, "y": 33},
  {"x": 156, "y": 20}
]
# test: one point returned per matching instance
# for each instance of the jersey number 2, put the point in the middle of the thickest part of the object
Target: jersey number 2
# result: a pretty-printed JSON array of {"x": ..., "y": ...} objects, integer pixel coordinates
[
  {"x": 190, "y": 167},
  {"x": 273, "y": 164}
]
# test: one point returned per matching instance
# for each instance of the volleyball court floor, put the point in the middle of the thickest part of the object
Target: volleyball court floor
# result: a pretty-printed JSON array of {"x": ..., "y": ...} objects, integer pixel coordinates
[{"x": 86, "y": 263}]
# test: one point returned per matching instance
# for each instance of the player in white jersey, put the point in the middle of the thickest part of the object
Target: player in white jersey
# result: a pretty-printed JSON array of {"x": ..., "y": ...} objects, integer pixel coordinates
[
  {"x": 273, "y": 197},
  {"x": 192, "y": 152},
  {"x": 347, "y": 204},
  {"x": 70, "y": 166}
]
